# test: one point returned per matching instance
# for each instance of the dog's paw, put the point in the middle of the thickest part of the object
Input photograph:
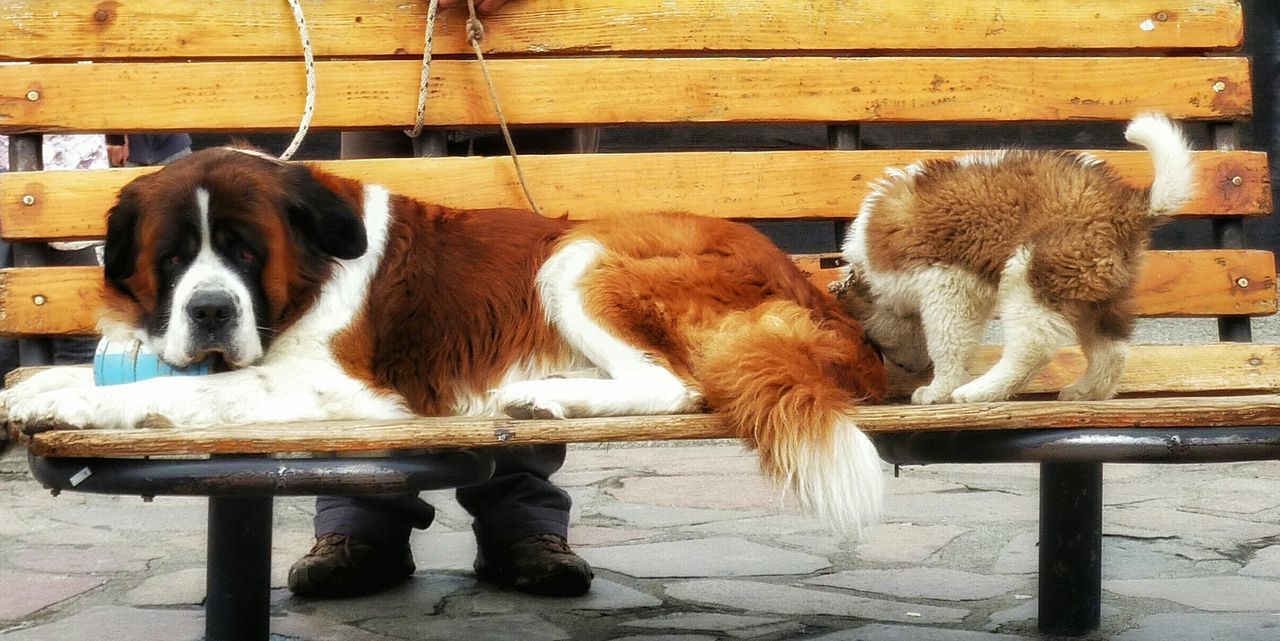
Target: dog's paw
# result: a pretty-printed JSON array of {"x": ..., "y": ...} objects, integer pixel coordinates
[
  {"x": 48, "y": 380},
  {"x": 61, "y": 409},
  {"x": 930, "y": 395},
  {"x": 977, "y": 392},
  {"x": 528, "y": 399}
]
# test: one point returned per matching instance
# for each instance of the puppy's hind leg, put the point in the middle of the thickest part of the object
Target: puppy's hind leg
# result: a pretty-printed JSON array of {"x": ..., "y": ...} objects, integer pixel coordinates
[
  {"x": 1032, "y": 335},
  {"x": 1106, "y": 346}
]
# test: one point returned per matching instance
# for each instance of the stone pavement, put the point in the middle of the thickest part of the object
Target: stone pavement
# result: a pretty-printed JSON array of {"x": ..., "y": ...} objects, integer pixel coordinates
[{"x": 691, "y": 545}]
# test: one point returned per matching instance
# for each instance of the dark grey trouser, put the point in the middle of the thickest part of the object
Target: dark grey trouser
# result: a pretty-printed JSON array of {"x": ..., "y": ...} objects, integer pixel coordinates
[{"x": 517, "y": 502}]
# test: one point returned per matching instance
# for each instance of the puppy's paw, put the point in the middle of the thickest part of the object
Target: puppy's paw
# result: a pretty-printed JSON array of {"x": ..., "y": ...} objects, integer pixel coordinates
[
  {"x": 529, "y": 399},
  {"x": 978, "y": 392},
  {"x": 930, "y": 395},
  {"x": 1079, "y": 392}
]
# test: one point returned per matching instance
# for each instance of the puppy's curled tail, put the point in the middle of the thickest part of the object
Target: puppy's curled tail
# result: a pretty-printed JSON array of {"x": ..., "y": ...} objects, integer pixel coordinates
[
  {"x": 787, "y": 383},
  {"x": 1174, "y": 182}
]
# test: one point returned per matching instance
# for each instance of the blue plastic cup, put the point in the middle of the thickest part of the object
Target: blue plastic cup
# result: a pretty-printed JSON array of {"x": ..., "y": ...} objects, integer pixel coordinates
[{"x": 119, "y": 362}]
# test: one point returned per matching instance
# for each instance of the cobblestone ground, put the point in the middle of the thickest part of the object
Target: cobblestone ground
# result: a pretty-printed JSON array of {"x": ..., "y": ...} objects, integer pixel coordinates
[{"x": 690, "y": 544}]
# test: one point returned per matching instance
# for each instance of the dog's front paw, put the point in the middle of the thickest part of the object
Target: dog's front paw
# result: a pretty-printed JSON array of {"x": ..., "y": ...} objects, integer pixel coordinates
[
  {"x": 62, "y": 409},
  {"x": 978, "y": 392},
  {"x": 48, "y": 380},
  {"x": 931, "y": 395},
  {"x": 528, "y": 399}
]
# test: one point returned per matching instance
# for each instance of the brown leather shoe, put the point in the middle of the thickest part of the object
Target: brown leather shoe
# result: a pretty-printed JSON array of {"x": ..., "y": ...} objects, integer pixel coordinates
[
  {"x": 340, "y": 566},
  {"x": 540, "y": 564}
]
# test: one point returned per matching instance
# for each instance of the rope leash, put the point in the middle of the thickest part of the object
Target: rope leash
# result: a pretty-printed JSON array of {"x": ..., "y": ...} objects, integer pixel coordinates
[
  {"x": 475, "y": 33},
  {"x": 309, "y": 60}
]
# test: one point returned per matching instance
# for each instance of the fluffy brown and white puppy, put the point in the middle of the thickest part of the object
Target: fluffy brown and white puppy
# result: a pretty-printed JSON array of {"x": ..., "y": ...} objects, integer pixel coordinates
[
  {"x": 1052, "y": 240},
  {"x": 333, "y": 299}
]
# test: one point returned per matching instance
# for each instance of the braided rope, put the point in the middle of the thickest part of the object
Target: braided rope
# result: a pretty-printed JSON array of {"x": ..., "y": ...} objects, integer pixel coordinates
[
  {"x": 309, "y": 60},
  {"x": 426, "y": 70}
]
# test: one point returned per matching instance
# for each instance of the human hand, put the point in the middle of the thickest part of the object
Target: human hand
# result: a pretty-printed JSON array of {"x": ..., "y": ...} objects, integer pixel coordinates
[
  {"x": 117, "y": 154},
  {"x": 482, "y": 6}
]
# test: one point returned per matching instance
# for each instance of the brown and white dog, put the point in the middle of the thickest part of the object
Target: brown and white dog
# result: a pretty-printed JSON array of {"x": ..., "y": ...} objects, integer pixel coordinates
[
  {"x": 1052, "y": 240},
  {"x": 333, "y": 299}
]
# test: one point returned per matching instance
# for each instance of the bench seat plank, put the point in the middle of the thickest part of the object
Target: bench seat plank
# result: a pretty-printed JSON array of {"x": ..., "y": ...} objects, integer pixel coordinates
[
  {"x": 368, "y": 436},
  {"x": 160, "y": 29},
  {"x": 186, "y": 96},
  {"x": 65, "y": 300},
  {"x": 758, "y": 185}
]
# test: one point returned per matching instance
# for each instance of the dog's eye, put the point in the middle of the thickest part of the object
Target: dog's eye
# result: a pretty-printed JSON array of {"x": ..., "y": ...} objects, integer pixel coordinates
[
  {"x": 174, "y": 259},
  {"x": 247, "y": 257}
]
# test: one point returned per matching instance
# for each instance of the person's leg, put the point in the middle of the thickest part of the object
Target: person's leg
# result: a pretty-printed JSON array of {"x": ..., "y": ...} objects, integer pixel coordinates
[
  {"x": 362, "y": 544},
  {"x": 522, "y": 524}
]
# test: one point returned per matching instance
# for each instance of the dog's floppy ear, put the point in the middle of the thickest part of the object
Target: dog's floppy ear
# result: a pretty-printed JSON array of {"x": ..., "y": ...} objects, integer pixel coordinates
[
  {"x": 322, "y": 217},
  {"x": 120, "y": 255}
]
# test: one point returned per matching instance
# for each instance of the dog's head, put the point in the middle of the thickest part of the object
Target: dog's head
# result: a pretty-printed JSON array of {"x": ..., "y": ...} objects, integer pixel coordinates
[
  {"x": 898, "y": 336},
  {"x": 220, "y": 251}
]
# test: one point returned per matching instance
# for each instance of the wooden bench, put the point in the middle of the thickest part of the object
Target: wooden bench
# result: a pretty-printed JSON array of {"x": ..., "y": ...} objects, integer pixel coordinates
[{"x": 233, "y": 67}]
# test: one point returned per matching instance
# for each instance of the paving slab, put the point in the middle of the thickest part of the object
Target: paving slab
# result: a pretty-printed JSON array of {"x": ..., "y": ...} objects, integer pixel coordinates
[
  {"x": 1216, "y": 593},
  {"x": 421, "y": 594},
  {"x": 753, "y": 596},
  {"x": 906, "y": 542},
  {"x": 1163, "y": 522},
  {"x": 705, "y": 492},
  {"x": 82, "y": 560},
  {"x": 509, "y": 627},
  {"x": 1265, "y": 562},
  {"x": 184, "y": 587},
  {"x": 1204, "y": 627},
  {"x": 702, "y": 621},
  {"x": 117, "y": 623},
  {"x": 716, "y": 556},
  {"x": 604, "y": 595},
  {"x": 940, "y": 584},
  {"x": 652, "y": 516},
  {"x": 665, "y": 637},
  {"x": 882, "y": 632},
  {"x": 24, "y": 593}
]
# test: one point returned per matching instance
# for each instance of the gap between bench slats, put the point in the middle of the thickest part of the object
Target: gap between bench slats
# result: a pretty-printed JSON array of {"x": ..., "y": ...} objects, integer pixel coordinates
[
  {"x": 161, "y": 28},
  {"x": 781, "y": 184},
  {"x": 358, "y": 436},
  {"x": 259, "y": 96}
]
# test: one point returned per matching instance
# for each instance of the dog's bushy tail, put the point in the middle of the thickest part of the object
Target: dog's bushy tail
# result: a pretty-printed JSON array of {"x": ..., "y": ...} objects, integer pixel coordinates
[
  {"x": 787, "y": 383},
  {"x": 1174, "y": 182}
]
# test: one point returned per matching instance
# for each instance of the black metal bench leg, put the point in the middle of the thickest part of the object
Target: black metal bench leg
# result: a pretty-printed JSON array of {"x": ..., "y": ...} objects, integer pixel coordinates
[
  {"x": 238, "y": 601},
  {"x": 1070, "y": 548}
]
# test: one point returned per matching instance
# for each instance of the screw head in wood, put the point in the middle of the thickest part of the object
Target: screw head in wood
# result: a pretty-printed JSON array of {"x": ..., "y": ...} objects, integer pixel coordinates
[
  {"x": 1242, "y": 282},
  {"x": 33, "y": 95},
  {"x": 1237, "y": 181},
  {"x": 28, "y": 200},
  {"x": 38, "y": 299},
  {"x": 1219, "y": 86},
  {"x": 1162, "y": 16}
]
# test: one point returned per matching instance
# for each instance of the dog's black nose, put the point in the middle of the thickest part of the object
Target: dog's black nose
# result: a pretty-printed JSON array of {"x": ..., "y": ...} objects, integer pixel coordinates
[{"x": 211, "y": 311}]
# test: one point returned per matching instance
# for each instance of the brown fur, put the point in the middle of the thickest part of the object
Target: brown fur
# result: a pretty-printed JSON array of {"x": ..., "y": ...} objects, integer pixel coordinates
[{"x": 1087, "y": 227}]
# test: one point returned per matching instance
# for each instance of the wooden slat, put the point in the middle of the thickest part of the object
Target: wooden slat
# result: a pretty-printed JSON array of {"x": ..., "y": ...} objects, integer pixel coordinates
[
  {"x": 159, "y": 28},
  {"x": 1151, "y": 369},
  {"x": 365, "y": 436},
  {"x": 260, "y": 96},
  {"x": 784, "y": 184},
  {"x": 1173, "y": 283},
  {"x": 1182, "y": 283}
]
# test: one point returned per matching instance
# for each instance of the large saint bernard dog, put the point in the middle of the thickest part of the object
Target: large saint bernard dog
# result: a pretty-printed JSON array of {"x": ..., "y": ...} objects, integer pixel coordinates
[{"x": 332, "y": 299}]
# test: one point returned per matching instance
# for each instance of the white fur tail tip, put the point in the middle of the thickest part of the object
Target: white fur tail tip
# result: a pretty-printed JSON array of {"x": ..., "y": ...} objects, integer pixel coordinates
[
  {"x": 844, "y": 485},
  {"x": 1174, "y": 182}
]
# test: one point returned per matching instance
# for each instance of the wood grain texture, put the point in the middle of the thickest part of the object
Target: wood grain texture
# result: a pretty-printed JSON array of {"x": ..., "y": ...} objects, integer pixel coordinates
[
  {"x": 782, "y": 184},
  {"x": 158, "y": 28},
  {"x": 366, "y": 436},
  {"x": 258, "y": 96},
  {"x": 64, "y": 300},
  {"x": 1151, "y": 369}
]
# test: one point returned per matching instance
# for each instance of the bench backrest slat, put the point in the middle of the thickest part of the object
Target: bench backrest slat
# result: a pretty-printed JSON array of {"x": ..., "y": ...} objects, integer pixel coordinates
[
  {"x": 771, "y": 185},
  {"x": 251, "y": 95},
  {"x": 52, "y": 29}
]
